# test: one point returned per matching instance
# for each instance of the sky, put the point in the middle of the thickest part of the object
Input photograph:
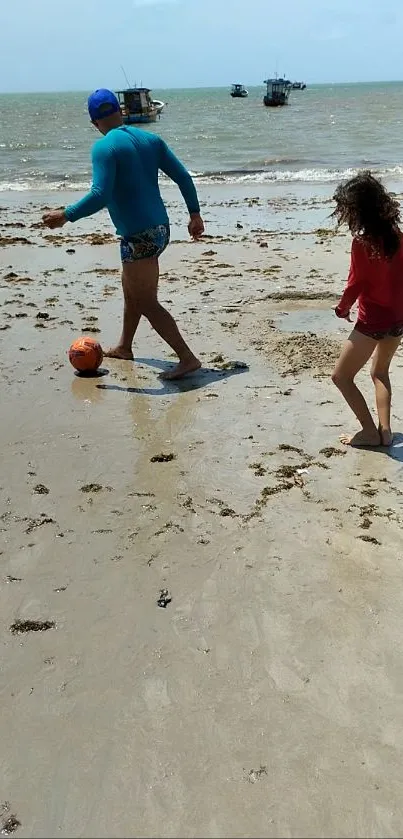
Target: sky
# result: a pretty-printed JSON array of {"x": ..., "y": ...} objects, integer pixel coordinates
[{"x": 50, "y": 45}]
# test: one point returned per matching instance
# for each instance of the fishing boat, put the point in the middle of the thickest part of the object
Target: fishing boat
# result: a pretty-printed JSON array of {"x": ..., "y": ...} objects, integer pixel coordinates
[
  {"x": 298, "y": 86},
  {"x": 277, "y": 92},
  {"x": 238, "y": 91},
  {"x": 137, "y": 106}
]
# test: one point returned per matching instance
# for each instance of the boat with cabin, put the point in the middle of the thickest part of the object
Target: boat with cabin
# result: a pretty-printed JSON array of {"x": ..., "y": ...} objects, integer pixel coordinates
[
  {"x": 238, "y": 91},
  {"x": 277, "y": 92},
  {"x": 298, "y": 86},
  {"x": 137, "y": 106}
]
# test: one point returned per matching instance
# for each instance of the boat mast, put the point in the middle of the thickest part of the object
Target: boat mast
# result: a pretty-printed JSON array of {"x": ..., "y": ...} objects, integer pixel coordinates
[{"x": 125, "y": 75}]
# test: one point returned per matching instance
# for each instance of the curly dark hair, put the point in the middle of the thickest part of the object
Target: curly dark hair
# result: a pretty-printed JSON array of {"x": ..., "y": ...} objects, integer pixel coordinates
[{"x": 370, "y": 211}]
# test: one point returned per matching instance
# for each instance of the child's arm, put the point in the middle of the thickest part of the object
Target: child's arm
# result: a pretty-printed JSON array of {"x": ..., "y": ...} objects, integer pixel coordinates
[{"x": 353, "y": 288}]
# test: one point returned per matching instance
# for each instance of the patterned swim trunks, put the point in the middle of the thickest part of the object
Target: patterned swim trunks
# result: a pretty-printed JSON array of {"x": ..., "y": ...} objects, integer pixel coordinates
[{"x": 148, "y": 243}]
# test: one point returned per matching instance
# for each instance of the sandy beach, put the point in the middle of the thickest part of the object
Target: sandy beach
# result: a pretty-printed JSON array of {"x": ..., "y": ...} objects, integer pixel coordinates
[{"x": 262, "y": 696}]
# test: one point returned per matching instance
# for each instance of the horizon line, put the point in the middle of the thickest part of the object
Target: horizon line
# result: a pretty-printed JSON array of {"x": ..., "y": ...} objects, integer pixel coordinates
[{"x": 203, "y": 87}]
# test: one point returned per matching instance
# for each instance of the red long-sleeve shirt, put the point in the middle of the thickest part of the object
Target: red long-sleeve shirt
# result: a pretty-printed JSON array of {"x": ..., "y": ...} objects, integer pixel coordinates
[{"x": 377, "y": 283}]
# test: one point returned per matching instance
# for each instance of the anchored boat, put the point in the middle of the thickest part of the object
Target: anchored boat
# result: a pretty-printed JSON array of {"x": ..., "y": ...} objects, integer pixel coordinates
[
  {"x": 137, "y": 106},
  {"x": 238, "y": 91},
  {"x": 277, "y": 92}
]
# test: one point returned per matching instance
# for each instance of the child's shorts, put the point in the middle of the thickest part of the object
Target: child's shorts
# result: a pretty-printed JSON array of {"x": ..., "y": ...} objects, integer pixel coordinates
[{"x": 395, "y": 331}]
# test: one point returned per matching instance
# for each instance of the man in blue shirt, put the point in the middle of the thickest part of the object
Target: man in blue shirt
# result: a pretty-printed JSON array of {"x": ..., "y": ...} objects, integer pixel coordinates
[{"x": 126, "y": 162}]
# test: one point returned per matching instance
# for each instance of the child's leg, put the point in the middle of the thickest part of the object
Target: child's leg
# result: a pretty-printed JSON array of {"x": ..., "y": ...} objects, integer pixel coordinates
[
  {"x": 354, "y": 355},
  {"x": 383, "y": 355}
]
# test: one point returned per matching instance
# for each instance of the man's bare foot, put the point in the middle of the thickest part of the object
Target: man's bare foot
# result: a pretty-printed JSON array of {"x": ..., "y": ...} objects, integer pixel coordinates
[
  {"x": 188, "y": 365},
  {"x": 119, "y": 352},
  {"x": 362, "y": 438},
  {"x": 386, "y": 436}
]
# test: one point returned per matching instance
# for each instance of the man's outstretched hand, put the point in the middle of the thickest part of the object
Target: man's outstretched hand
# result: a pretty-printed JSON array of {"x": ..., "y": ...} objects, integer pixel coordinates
[
  {"x": 54, "y": 218},
  {"x": 196, "y": 226}
]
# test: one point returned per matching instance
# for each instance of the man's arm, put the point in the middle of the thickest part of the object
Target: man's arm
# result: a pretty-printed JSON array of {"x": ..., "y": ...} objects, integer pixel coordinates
[
  {"x": 171, "y": 166},
  {"x": 103, "y": 179},
  {"x": 353, "y": 288}
]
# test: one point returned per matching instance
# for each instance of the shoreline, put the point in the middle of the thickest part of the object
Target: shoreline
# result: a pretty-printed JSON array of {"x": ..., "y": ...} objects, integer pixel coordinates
[
  {"x": 269, "y": 208},
  {"x": 306, "y": 183}
]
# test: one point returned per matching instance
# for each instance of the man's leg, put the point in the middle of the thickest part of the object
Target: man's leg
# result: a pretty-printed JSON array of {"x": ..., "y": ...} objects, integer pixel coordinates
[
  {"x": 140, "y": 288},
  {"x": 131, "y": 319}
]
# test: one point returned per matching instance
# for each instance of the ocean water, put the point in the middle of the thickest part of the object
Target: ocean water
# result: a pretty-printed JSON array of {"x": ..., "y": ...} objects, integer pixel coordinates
[{"x": 324, "y": 134}]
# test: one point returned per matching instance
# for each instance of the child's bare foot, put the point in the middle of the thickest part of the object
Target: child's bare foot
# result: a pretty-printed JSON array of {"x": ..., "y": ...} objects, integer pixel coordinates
[
  {"x": 362, "y": 438},
  {"x": 386, "y": 436},
  {"x": 119, "y": 352},
  {"x": 187, "y": 365}
]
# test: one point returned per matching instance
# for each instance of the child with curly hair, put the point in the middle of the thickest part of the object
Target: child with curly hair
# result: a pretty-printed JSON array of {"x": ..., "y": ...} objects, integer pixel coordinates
[{"x": 376, "y": 281}]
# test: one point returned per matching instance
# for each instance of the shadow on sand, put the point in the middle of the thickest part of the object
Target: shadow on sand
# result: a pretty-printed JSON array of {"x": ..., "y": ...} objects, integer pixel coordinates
[
  {"x": 201, "y": 378},
  {"x": 395, "y": 451}
]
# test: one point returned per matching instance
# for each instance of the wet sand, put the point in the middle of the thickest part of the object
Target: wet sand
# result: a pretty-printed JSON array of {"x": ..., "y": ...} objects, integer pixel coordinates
[{"x": 200, "y": 603}]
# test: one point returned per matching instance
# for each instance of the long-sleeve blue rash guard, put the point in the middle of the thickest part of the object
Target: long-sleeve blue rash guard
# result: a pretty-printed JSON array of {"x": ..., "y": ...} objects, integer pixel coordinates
[{"x": 125, "y": 166}]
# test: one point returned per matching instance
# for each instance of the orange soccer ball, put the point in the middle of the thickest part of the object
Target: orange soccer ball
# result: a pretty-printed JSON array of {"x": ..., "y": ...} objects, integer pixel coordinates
[{"x": 86, "y": 355}]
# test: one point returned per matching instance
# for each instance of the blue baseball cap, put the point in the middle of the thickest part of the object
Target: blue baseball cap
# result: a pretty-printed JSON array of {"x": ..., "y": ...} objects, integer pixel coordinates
[{"x": 102, "y": 103}]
